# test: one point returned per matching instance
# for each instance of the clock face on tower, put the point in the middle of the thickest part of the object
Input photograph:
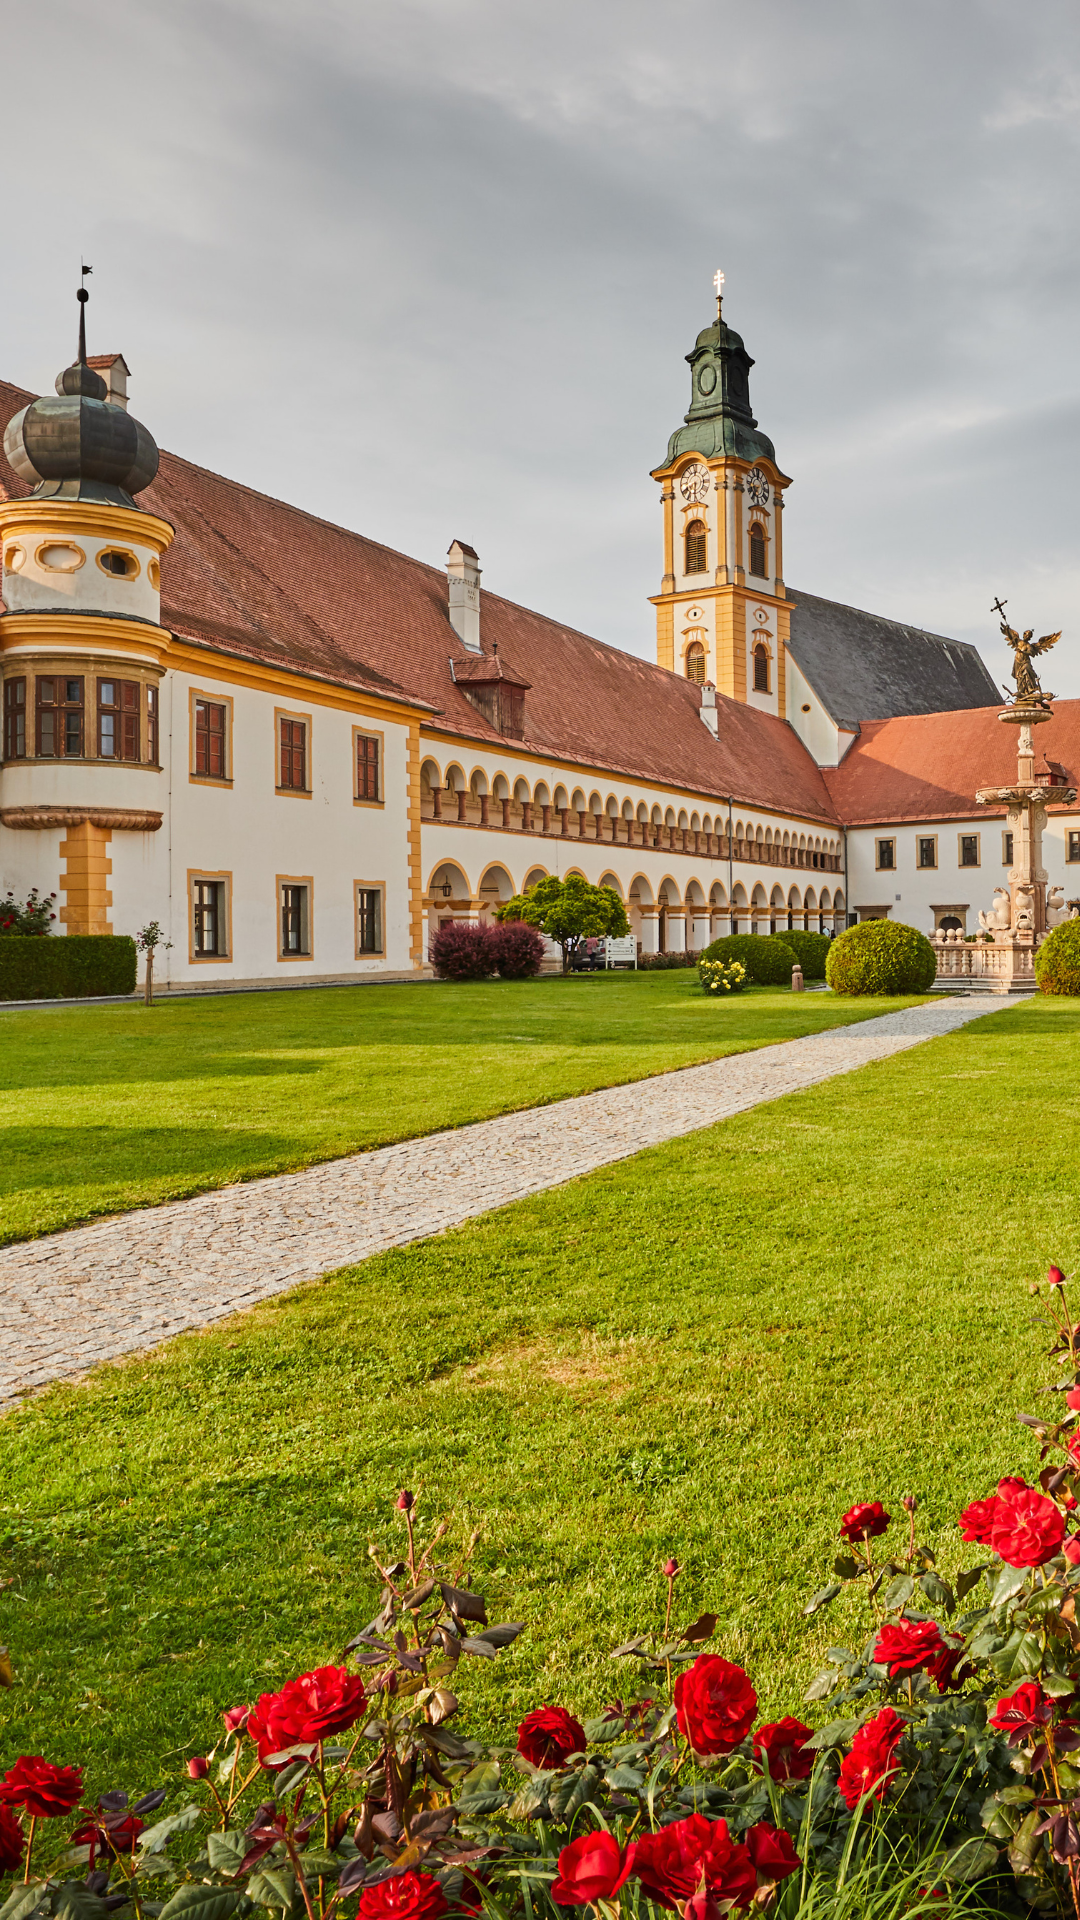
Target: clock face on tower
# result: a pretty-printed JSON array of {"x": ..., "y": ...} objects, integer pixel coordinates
[
  {"x": 694, "y": 483},
  {"x": 757, "y": 486}
]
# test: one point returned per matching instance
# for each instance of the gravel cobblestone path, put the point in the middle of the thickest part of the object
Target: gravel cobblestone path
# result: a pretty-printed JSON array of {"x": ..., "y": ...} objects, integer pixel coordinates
[{"x": 93, "y": 1293}]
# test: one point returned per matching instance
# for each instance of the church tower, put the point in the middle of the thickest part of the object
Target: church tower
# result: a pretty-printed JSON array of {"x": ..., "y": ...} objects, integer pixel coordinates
[{"x": 721, "y": 613}]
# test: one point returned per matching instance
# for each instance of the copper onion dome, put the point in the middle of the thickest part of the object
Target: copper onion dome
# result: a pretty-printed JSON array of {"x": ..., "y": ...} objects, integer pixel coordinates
[{"x": 78, "y": 446}]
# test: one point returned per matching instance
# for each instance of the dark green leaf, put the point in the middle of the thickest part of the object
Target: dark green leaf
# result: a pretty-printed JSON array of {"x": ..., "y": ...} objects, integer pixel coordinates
[
  {"x": 599, "y": 1732},
  {"x": 700, "y": 1629},
  {"x": 226, "y": 1850},
  {"x": 571, "y": 1790},
  {"x": 822, "y": 1685},
  {"x": 202, "y": 1903},
  {"x": 531, "y": 1802},
  {"x": 1058, "y": 1685},
  {"x": 1019, "y": 1658},
  {"x": 473, "y": 1805},
  {"x": 937, "y": 1591},
  {"x": 1026, "y": 1843},
  {"x": 969, "y": 1579},
  {"x": 74, "y": 1901},
  {"x": 899, "y": 1591},
  {"x": 836, "y": 1734},
  {"x": 481, "y": 1779},
  {"x": 847, "y": 1567},
  {"x": 274, "y": 1887},
  {"x": 22, "y": 1901},
  {"x": 822, "y": 1598},
  {"x": 182, "y": 1822},
  {"x": 1008, "y": 1584},
  {"x": 969, "y": 1861},
  {"x": 624, "y": 1779}
]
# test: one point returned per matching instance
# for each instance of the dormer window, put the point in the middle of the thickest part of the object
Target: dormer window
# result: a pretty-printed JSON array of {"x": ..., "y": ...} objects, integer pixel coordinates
[
  {"x": 695, "y": 547},
  {"x": 757, "y": 550},
  {"x": 761, "y": 668},
  {"x": 695, "y": 663}
]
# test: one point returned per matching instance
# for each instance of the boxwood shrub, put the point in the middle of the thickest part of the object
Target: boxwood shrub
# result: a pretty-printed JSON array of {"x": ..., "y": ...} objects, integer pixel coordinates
[
  {"x": 811, "y": 950},
  {"x": 1057, "y": 963},
  {"x": 75, "y": 966},
  {"x": 881, "y": 956},
  {"x": 767, "y": 960}
]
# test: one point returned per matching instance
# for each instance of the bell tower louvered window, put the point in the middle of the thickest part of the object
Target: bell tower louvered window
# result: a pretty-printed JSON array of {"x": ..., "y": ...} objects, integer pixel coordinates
[
  {"x": 695, "y": 547},
  {"x": 757, "y": 550},
  {"x": 695, "y": 663}
]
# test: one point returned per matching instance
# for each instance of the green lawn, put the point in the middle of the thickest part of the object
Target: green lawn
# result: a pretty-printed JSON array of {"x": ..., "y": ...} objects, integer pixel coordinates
[
  {"x": 711, "y": 1350},
  {"x": 103, "y": 1108}
]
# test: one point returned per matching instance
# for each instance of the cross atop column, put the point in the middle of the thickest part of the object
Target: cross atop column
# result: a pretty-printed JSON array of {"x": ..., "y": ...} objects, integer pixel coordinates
[{"x": 718, "y": 283}]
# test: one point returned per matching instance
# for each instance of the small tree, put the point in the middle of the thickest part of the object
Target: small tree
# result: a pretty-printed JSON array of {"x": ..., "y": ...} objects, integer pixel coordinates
[
  {"x": 147, "y": 940},
  {"x": 569, "y": 912}
]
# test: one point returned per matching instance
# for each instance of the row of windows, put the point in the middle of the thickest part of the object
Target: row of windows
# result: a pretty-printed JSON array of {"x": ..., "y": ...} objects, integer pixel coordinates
[
  {"x": 67, "y": 723},
  {"x": 212, "y": 751},
  {"x": 695, "y": 542},
  {"x": 211, "y": 917},
  {"x": 695, "y": 666},
  {"x": 968, "y": 851}
]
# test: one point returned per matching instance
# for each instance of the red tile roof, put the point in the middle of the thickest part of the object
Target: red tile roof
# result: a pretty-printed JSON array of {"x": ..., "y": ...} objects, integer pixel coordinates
[
  {"x": 253, "y": 576},
  {"x": 927, "y": 766}
]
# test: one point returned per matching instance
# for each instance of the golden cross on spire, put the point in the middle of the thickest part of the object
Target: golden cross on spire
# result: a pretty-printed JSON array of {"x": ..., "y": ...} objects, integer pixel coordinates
[{"x": 718, "y": 283}]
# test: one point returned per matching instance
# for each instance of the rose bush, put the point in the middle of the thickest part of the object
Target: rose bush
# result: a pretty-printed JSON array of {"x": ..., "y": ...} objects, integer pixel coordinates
[{"x": 950, "y": 1729}]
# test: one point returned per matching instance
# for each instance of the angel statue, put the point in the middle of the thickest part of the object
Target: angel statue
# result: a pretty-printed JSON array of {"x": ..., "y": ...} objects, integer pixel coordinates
[{"x": 1029, "y": 691}]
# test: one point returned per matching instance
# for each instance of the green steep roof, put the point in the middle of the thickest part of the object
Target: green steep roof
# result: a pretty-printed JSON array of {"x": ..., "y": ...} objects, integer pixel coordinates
[{"x": 720, "y": 420}]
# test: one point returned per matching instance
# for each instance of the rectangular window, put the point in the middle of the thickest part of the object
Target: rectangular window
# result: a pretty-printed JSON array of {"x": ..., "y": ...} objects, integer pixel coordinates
[
  {"x": 210, "y": 739},
  {"x": 886, "y": 855},
  {"x": 1073, "y": 852},
  {"x": 367, "y": 767},
  {"x": 1007, "y": 848},
  {"x": 969, "y": 849},
  {"x": 210, "y": 916},
  {"x": 294, "y": 918},
  {"x": 60, "y": 718},
  {"x": 118, "y": 719},
  {"x": 928, "y": 850},
  {"x": 369, "y": 919},
  {"x": 152, "y": 734},
  {"x": 293, "y": 757},
  {"x": 15, "y": 719}
]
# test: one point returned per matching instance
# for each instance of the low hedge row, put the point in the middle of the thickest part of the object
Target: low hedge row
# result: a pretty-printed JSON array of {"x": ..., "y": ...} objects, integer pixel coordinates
[
  {"x": 811, "y": 950},
  {"x": 881, "y": 957},
  {"x": 76, "y": 966},
  {"x": 1057, "y": 963},
  {"x": 767, "y": 960}
]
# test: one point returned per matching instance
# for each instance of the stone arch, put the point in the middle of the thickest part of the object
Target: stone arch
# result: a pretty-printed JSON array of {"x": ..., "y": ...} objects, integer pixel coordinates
[
  {"x": 683, "y": 820},
  {"x": 657, "y": 817},
  {"x": 611, "y": 880},
  {"x": 672, "y": 915},
  {"x": 707, "y": 824},
  {"x": 521, "y": 792},
  {"x": 719, "y": 917},
  {"x": 495, "y": 887},
  {"x": 611, "y": 807},
  {"x": 478, "y": 781},
  {"x": 627, "y": 809},
  {"x": 740, "y": 922},
  {"x": 500, "y": 787},
  {"x": 542, "y": 794},
  {"x": 534, "y": 874},
  {"x": 643, "y": 813},
  {"x": 578, "y": 801},
  {"x": 641, "y": 909},
  {"x": 669, "y": 816},
  {"x": 455, "y": 778},
  {"x": 429, "y": 774},
  {"x": 596, "y": 805},
  {"x": 458, "y": 904},
  {"x": 561, "y": 798}
]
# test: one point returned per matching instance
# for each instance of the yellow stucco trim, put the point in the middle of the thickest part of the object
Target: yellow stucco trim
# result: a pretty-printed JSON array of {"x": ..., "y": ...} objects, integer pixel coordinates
[
  {"x": 416, "y": 888},
  {"x": 73, "y": 633},
  {"x": 87, "y": 517},
  {"x": 84, "y": 881}
]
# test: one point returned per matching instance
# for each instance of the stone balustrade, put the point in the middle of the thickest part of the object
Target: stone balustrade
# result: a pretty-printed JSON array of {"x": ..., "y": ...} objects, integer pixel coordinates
[
  {"x": 1006, "y": 964},
  {"x": 565, "y": 823}
]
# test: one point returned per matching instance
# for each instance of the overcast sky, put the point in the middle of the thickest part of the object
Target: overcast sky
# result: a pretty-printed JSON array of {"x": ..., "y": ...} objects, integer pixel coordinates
[{"x": 430, "y": 268}]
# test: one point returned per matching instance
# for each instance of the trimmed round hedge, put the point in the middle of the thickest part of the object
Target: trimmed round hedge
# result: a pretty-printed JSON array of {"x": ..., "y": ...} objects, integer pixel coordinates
[
  {"x": 1057, "y": 963},
  {"x": 767, "y": 960},
  {"x": 883, "y": 957},
  {"x": 811, "y": 950}
]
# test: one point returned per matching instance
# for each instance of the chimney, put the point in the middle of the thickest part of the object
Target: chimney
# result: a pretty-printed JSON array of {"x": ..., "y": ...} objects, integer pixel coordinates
[
  {"x": 115, "y": 372},
  {"x": 463, "y": 579},
  {"x": 708, "y": 707}
]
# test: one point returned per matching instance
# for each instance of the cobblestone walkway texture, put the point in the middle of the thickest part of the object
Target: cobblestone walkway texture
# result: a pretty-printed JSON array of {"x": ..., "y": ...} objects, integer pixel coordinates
[{"x": 94, "y": 1293}]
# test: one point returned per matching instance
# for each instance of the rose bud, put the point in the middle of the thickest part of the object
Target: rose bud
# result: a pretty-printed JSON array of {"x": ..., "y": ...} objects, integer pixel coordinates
[
  {"x": 198, "y": 1768},
  {"x": 909, "y": 1503},
  {"x": 1056, "y": 1277},
  {"x": 671, "y": 1569},
  {"x": 404, "y": 1501},
  {"x": 235, "y": 1718}
]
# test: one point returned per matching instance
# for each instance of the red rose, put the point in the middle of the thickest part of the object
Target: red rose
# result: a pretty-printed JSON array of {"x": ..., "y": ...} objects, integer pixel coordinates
[
  {"x": 714, "y": 1704},
  {"x": 1023, "y": 1714},
  {"x": 1071, "y": 1549},
  {"x": 977, "y": 1521},
  {"x": 864, "y": 1521},
  {"x": 44, "y": 1790},
  {"x": 593, "y": 1867},
  {"x": 12, "y": 1842},
  {"x": 1028, "y": 1528},
  {"x": 1072, "y": 1399},
  {"x": 950, "y": 1669},
  {"x": 691, "y": 1855},
  {"x": 783, "y": 1744},
  {"x": 405, "y": 1896},
  {"x": 235, "y": 1717},
  {"x": 197, "y": 1767},
  {"x": 872, "y": 1762},
  {"x": 772, "y": 1853},
  {"x": 1056, "y": 1277},
  {"x": 549, "y": 1736},
  {"x": 908, "y": 1646},
  {"x": 306, "y": 1710}
]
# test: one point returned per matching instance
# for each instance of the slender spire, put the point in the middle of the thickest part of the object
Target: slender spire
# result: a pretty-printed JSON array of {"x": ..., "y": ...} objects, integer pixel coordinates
[
  {"x": 83, "y": 296},
  {"x": 718, "y": 283}
]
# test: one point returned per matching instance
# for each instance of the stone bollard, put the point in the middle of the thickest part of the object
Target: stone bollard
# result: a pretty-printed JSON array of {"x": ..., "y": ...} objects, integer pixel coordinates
[{"x": 796, "y": 978}]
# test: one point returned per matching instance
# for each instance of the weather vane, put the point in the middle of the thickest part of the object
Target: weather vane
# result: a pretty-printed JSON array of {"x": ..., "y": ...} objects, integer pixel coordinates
[
  {"x": 718, "y": 283},
  {"x": 82, "y": 297},
  {"x": 1029, "y": 692}
]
